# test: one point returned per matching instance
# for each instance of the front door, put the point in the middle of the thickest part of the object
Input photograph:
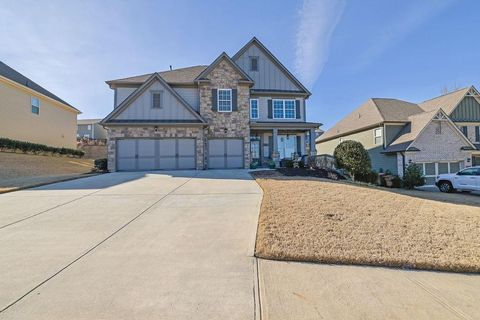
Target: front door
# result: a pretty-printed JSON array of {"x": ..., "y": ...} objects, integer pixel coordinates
[
  {"x": 287, "y": 145},
  {"x": 255, "y": 149}
]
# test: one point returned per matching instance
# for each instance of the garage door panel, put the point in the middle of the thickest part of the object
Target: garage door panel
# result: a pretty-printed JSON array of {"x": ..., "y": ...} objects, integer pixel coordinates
[
  {"x": 146, "y": 163},
  {"x": 234, "y": 162},
  {"x": 169, "y": 163},
  {"x": 234, "y": 147},
  {"x": 126, "y": 148},
  {"x": 167, "y": 147},
  {"x": 146, "y": 148},
  {"x": 186, "y": 163},
  {"x": 126, "y": 164},
  {"x": 216, "y": 162},
  {"x": 186, "y": 147},
  {"x": 216, "y": 147}
]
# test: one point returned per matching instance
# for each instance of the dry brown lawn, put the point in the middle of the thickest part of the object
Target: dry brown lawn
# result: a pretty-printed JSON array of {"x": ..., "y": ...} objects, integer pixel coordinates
[
  {"x": 332, "y": 222},
  {"x": 23, "y": 170}
]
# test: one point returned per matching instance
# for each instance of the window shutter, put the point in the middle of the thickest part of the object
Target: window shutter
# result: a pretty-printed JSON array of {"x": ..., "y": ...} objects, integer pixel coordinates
[
  {"x": 270, "y": 112},
  {"x": 299, "y": 145},
  {"x": 270, "y": 145},
  {"x": 477, "y": 134},
  {"x": 234, "y": 100},
  {"x": 297, "y": 109},
  {"x": 214, "y": 99}
]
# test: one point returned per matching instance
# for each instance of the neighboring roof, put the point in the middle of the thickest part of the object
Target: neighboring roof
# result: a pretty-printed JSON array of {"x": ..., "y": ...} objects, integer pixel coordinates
[
  {"x": 88, "y": 121},
  {"x": 15, "y": 76},
  {"x": 267, "y": 52},
  {"x": 447, "y": 102},
  {"x": 177, "y": 76},
  {"x": 223, "y": 56},
  {"x": 154, "y": 77},
  {"x": 373, "y": 112},
  {"x": 415, "y": 127}
]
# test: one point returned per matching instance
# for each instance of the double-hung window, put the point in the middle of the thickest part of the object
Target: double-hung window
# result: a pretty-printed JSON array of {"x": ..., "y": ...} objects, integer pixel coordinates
[
  {"x": 377, "y": 133},
  {"x": 253, "y": 108},
  {"x": 35, "y": 105},
  {"x": 284, "y": 109},
  {"x": 224, "y": 98}
]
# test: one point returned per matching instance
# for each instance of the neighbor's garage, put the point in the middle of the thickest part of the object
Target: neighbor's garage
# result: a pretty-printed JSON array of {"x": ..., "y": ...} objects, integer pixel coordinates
[
  {"x": 225, "y": 153},
  {"x": 155, "y": 154}
]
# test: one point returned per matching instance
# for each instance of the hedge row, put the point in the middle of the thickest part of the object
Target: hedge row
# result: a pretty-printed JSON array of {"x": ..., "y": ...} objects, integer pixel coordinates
[{"x": 24, "y": 146}]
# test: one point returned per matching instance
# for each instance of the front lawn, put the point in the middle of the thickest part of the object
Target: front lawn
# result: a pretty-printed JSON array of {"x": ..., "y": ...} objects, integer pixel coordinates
[{"x": 307, "y": 219}]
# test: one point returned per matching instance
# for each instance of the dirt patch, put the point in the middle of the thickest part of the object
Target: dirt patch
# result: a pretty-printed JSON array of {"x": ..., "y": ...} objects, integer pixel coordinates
[
  {"x": 324, "y": 221},
  {"x": 23, "y": 170}
]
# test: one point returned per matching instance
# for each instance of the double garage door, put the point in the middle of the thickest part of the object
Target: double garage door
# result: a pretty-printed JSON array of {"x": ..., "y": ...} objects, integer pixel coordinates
[{"x": 155, "y": 154}]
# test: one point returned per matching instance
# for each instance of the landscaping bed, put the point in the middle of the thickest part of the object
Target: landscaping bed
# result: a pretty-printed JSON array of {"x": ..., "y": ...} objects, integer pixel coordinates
[
  {"x": 317, "y": 173},
  {"x": 316, "y": 220}
]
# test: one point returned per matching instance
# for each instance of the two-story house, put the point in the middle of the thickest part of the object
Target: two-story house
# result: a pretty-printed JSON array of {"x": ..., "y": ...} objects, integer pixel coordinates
[
  {"x": 442, "y": 134},
  {"x": 236, "y": 110},
  {"x": 90, "y": 129}
]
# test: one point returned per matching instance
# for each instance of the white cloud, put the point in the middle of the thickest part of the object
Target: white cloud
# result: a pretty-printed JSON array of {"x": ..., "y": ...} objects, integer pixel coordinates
[{"x": 318, "y": 19}]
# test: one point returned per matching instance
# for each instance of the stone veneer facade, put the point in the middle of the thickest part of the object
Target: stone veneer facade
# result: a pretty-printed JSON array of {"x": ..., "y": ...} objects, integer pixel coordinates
[
  {"x": 235, "y": 124},
  {"x": 115, "y": 133}
]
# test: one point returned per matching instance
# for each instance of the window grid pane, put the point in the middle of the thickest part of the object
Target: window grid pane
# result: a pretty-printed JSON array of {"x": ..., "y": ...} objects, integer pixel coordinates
[
  {"x": 278, "y": 109},
  {"x": 254, "y": 109},
  {"x": 224, "y": 100},
  {"x": 289, "y": 109}
]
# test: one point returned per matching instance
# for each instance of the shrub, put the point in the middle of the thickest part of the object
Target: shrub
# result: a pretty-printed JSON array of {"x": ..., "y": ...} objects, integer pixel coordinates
[
  {"x": 371, "y": 177},
  {"x": 253, "y": 165},
  {"x": 397, "y": 182},
  {"x": 101, "y": 164},
  {"x": 288, "y": 163},
  {"x": 413, "y": 176},
  {"x": 24, "y": 146},
  {"x": 352, "y": 156}
]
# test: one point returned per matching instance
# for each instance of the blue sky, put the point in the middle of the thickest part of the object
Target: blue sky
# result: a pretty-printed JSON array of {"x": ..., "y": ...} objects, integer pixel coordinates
[{"x": 344, "y": 51}]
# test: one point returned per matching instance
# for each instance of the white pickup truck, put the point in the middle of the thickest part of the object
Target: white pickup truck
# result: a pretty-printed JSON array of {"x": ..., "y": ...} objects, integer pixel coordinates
[{"x": 465, "y": 180}]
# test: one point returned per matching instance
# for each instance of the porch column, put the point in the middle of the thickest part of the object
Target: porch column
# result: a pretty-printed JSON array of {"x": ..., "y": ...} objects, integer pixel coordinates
[
  {"x": 313, "y": 148},
  {"x": 275, "y": 154}
]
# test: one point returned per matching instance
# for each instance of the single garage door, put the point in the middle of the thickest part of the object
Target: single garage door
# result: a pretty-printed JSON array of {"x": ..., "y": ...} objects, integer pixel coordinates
[
  {"x": 225, "y": 153},
  {"x": 155, "y": 154}
]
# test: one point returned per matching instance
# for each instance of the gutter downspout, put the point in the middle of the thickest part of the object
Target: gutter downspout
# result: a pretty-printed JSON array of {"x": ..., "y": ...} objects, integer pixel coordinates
[{"x": 403, "y": 163}]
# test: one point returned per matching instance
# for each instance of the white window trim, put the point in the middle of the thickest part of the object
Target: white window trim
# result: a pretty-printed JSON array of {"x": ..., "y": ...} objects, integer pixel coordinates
[
  {"x": 37, "y": 106},
  {"x": 283, "y": 108},
  {"x": 218, "y": 100},
  {"x": 375, "y": 136},
  {"x": 258, "y": 109}
]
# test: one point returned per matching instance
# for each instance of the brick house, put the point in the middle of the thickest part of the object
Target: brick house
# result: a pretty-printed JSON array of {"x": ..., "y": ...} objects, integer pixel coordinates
[
  {"x": 442, "y": 134},
  {"x": 237, "y": 110}
]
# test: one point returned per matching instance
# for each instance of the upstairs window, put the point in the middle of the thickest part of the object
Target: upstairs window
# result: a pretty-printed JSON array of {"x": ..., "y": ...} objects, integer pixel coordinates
[
  {"x": 224, "y": 98},
  {"x": 465, "y": 131},
  {"x": 35, "y": 105},
  {"x": 284, "y": 109},
  {"x": 157, "y": 99},
  {"x": 253, "y": 108},
  {"x": 253, "y": 63},
  {"x": 477, "y": 134},
  {"x": 377, "y": 133}
]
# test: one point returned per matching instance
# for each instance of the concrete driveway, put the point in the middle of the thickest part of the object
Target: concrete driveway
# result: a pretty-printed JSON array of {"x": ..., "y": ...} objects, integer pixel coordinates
[{"x": 169, "y": 245}]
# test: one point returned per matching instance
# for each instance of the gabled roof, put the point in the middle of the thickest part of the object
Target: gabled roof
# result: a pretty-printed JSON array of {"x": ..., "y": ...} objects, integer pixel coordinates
[
  {"x": 177, "y": 76},
  {"x": 15, "y": 76},
  {"x": 417, "y": 123},
  {"x": 448, "y": 102},
  {"x": 267, "y": 52},
  {"x": 372, "y": 113},
  {"x": 154, "y": 77},
  {"x": 223, "y": 56}
]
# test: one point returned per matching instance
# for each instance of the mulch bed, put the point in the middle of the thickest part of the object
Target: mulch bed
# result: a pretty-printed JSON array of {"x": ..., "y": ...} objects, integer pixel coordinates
[{"x": 317, "y": 173}]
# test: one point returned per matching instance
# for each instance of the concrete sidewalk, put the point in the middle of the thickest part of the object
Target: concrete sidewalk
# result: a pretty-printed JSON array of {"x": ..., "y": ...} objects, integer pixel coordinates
[
  {"x": 292, "y": 290},
  {"x": 131, "y": 246}
]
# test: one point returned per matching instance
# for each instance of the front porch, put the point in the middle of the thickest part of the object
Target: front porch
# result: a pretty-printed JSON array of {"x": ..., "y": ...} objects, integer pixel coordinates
[{"x": 278, "y": 141}]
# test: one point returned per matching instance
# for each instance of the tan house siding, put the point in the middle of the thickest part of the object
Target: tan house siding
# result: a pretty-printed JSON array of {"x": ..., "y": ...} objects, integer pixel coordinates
[
  {"x": 55, "y": 125},
  {"x": 235, "y": 124}
]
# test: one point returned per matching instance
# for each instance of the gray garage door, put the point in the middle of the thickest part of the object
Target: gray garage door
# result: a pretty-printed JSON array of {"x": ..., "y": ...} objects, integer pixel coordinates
[
  {"x": 155, "y": 154},
  {"x": 225, "y": 153}
]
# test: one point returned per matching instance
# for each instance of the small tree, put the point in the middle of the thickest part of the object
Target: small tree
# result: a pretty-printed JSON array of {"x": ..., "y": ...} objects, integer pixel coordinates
[
  {"x": 413, "y": 176},
  {"x": 352, "y": 156}
]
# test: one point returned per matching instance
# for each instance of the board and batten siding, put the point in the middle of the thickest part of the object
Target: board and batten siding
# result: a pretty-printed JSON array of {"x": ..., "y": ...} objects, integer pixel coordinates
[
  {"x": 468, "y": 110},
  {"x": 367, "y": 139},
  {"x": 141, "y": 107},
  {"x": 190, "y": 95},
  {"x": 269, "y": 75},
  {"x": 122, "y": 93},
  {"x": 263, "y": 110}
]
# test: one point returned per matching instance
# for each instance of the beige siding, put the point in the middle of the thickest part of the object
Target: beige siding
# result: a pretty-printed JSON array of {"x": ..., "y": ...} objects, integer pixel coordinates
[
  {"x": 54, "y": 126},
  {"x": 141, "y": 108}
]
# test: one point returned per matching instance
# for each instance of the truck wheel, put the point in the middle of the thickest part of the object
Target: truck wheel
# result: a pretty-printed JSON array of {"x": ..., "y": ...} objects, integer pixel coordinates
[{"x": 445, "y": 186}]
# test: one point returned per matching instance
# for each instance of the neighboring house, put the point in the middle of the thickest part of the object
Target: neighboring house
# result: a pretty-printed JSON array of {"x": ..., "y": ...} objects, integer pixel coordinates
[
  {"x": 31, "y": 113},
  {"x": 442, "y": 135},
  {"x": 90, "y": 129},
  {"x": 238, "y": 109}
]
